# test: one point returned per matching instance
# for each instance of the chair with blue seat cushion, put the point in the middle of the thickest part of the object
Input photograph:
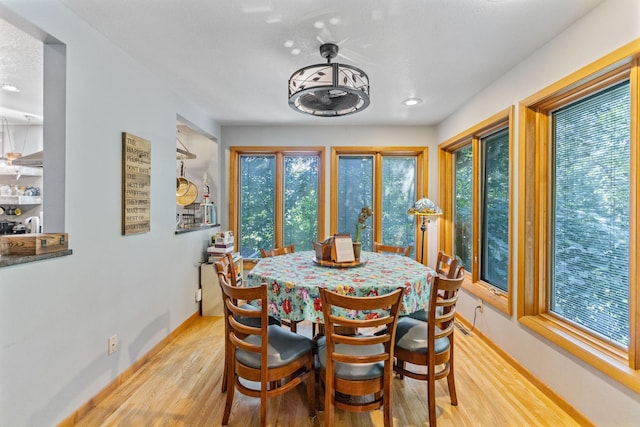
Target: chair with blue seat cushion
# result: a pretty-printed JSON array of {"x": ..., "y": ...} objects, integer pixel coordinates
[
  {"x": 265, "y": 253},
  {"x": 226, "y": 271},
  {"x": 275, "y": 359},
  {"x": 446, "y": 266},
  {"x": 357, "y": 370},
  {"x": 401, "y": 250},
  {"x": 431, "y": 343}
]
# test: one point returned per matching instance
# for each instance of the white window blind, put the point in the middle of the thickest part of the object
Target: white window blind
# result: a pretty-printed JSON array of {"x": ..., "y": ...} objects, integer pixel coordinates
[
  {"x": 590, "y": 215},
  {"x": 494, "y": 232}
]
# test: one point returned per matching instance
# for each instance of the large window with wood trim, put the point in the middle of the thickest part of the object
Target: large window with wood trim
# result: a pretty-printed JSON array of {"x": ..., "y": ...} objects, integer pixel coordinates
[
  {"x": 476, "y": 193},
  {"x": 578, "y": 281},
  {"x": 276, "y": 198},
  {"x": 388, "y": 180}
]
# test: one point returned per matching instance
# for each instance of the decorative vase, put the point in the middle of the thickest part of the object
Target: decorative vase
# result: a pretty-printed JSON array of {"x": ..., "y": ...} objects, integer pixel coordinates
[{"x": 357, "y": 247}]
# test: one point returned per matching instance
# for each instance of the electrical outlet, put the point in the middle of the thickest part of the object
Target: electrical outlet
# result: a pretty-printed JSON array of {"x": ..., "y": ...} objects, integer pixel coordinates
[
  {"x": 481, "y": 305},
  {"x": 198, "y": 295},
  {"x": 113, "y": 345}
]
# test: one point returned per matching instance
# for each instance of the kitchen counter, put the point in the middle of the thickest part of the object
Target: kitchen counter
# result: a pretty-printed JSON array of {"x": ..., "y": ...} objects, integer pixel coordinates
[
  {"x": 196, "y": 228},
  {"x": 8, "y": 260}
]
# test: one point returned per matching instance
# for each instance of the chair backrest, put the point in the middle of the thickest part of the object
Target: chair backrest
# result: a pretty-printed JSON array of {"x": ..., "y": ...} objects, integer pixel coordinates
[
  {"x": 444, "y": 292},
  {"x": 447, "y": 266},
  {"x": 334, "y": 308},
  {"x": 403, "y": 250},
  {"x": 351, "y": 363},
  {"x": 225, "y": 266},
  {"x": 233, "y": 299},
  {"x": 265, "y": 253}
]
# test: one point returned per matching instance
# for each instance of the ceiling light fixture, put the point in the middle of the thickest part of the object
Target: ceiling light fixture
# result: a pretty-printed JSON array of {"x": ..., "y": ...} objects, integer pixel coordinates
[
  {"x": 410, "y": 102},
  {"x": 9, "y": 88},
  {"x": 329, "y": 90}
]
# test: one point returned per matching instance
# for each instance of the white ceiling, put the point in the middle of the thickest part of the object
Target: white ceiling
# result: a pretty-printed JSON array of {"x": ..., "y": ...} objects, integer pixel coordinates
[
  {"x": 234, "y": 57},
  {"x": 21, "y": 61}
]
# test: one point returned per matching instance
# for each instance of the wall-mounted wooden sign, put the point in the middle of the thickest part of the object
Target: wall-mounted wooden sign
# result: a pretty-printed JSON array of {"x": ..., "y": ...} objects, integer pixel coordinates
[{"x": 136, "y": 184}]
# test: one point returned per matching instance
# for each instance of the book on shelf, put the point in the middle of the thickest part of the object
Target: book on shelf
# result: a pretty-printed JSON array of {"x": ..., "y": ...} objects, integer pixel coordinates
[
  {"x": 221, "y": 251},
  {"x": 224, "y": 246},
  {"x": 214, "y": 257}
]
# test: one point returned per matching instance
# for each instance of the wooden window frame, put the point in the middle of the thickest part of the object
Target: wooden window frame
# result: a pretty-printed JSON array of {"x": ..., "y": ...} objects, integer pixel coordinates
[
  {"x": 422, "y": 159},
  {"x": 280, "y": 153},
  {"x": 534, "y": 224},
  {"x": 499, "y": 299}
]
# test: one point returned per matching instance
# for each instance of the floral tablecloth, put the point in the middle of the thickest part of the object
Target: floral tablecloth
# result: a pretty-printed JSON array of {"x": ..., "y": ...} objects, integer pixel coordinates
[{"x": 294, "y": 280}]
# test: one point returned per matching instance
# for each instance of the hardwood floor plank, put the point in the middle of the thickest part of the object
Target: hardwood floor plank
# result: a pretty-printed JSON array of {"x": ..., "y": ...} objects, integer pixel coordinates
[{"x": 180, "y": 386}]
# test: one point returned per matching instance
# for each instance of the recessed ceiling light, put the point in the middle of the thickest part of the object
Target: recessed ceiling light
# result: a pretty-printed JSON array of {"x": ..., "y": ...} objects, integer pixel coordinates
[
  {"x": 9, "y": 88},
  {"x": 409, "y": 102},
  {"x": 273, "y": 19},
  {"x": 295, "y": 51}
]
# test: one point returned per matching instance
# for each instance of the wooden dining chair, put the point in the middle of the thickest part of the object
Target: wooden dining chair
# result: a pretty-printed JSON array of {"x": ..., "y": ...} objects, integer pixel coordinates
[
  {"x": 357, "y": 365},
  {"x": 402, "y": 250},
  {"x": 226, "y": 271},
  {"x": 265, "y": 253},
  {"x": 447, "y": 265},
  {"x": 431, "y": 343},
  {"x": 267, "y": 360}
]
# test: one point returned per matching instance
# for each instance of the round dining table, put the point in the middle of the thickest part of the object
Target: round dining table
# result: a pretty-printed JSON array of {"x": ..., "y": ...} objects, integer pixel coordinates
[{"x": 294, "y": 280}]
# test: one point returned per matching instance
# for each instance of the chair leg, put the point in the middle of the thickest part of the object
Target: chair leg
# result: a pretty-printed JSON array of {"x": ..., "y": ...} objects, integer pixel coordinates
[
  {"x": 431, "y": 396},
  {"x": 263, "y": 405},
  {"x": 230, "y": 391},
  {"x": 400, "y": 365},
  {"x": 225, "y": 380},
  {"x": 450, "y": 378},
  {"x": 387, "y": 396},
  {"x": 328, "y": 401},
  {"x": 452, "y": 386},
  {"x": 294, "y": 326},
  {"x": 311, "y": 391}
]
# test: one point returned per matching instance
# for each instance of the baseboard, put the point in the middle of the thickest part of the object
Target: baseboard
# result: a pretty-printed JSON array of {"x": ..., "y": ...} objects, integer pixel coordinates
[
  {"x": 125, "y": 375},
  {"x": 556, "y": 398}
]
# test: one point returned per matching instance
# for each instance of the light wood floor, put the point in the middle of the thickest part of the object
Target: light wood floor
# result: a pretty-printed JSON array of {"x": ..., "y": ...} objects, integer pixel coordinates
[{"x": 180, "y": 386}]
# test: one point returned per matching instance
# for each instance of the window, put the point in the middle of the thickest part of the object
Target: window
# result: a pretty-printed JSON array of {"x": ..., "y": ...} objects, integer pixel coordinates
[
  {"x": 278, "y": 195},
  {"x": 387, "y": 180},
  {"x": 355, "y": 190},
  {"x": 463, "y": 197},
  {"x": 590, "y": 216},
  {"x": 578, "y": 214},
  {"x": 476, "y": 202},
  {"x": 494, "y": 233}
]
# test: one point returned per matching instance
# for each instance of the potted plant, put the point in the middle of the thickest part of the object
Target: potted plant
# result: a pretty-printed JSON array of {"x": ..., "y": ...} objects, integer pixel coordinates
[{"x": 365, "y": 214}]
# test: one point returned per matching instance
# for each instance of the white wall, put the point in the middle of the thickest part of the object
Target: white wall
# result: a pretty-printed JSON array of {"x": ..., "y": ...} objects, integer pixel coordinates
[
  {"x": 56, "y": 315},
  {"x": 334, "y": 136},
  {"x": 610, "y": 26}
]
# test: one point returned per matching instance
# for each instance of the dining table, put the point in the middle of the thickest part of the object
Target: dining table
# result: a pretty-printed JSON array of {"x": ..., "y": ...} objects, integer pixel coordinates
[{"x": 294, "y": 281}]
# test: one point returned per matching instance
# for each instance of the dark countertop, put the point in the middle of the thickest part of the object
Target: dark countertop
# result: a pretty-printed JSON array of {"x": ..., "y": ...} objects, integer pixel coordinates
[
  {"x": 8, "y": 260},
  {"x": 196, "y": 228}
]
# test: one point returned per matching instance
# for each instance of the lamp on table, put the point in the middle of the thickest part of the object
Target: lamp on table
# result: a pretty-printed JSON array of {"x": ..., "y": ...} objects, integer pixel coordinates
[{"x": 424, "y": 208}]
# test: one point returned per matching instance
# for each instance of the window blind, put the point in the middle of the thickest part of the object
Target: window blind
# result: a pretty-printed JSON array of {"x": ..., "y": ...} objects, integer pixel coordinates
[
  {"x": 590, "y": 214},
  {"x": 495, "y": 210}
]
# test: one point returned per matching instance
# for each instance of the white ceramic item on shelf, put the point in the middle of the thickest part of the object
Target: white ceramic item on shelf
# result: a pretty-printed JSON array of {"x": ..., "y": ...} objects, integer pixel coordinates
[{"x": 33, "y": 222}]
